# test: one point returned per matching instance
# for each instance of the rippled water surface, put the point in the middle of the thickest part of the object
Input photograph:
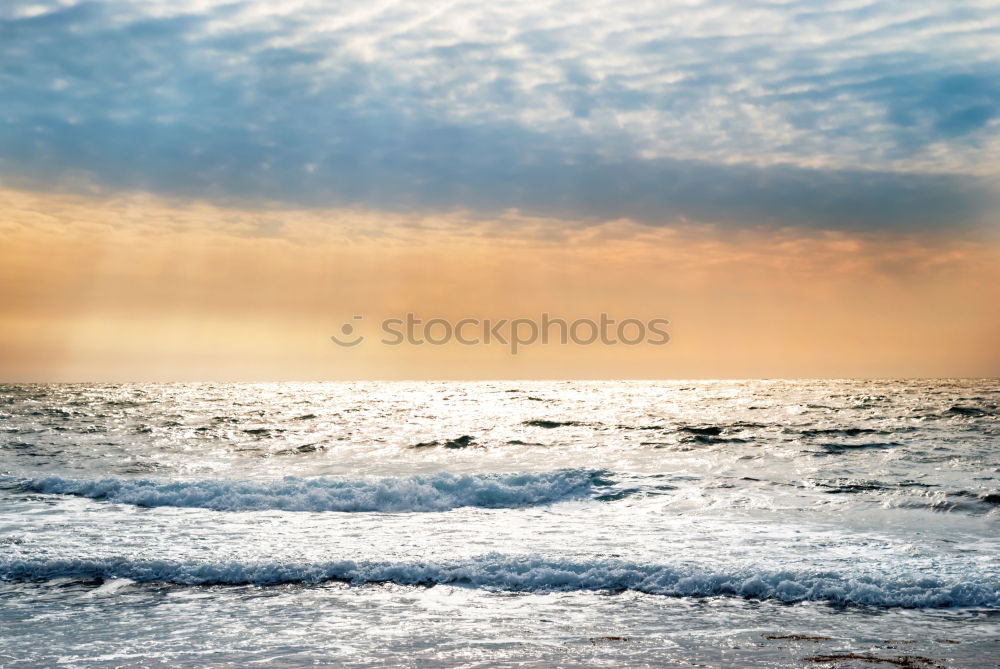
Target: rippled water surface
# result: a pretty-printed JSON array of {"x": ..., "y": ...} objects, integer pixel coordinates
[{"x": 766, "y": 523}]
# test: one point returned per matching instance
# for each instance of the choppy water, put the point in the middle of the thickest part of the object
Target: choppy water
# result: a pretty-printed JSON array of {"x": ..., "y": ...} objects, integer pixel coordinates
[{"x": 500, "y": 524}]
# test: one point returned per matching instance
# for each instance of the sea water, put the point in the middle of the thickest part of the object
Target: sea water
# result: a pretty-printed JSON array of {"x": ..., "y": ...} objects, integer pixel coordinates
[{"x": 528, "y": 524}]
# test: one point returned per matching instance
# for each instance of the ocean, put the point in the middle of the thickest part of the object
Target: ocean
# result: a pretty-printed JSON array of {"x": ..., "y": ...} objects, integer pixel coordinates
[{"x": 501, "y": 524}]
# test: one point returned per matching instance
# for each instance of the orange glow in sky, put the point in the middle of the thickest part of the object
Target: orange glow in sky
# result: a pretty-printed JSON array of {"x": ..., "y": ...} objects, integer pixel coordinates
[{"x": 144, "y": 288}]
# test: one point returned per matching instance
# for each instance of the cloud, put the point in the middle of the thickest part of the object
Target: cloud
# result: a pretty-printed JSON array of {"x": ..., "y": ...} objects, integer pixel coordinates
[{"x": 829, "y": 115}]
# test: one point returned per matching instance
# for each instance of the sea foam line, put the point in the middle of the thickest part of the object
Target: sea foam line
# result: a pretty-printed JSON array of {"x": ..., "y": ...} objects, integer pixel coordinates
[
  {"x": 435, "y": 492},
  {"x": 536, "y": 574}
]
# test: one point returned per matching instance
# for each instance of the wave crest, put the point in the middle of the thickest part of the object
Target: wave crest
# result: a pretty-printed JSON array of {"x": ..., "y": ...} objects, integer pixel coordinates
[
  {"x": 534, "y": 574},
  {"x": 435, "y": 492}
]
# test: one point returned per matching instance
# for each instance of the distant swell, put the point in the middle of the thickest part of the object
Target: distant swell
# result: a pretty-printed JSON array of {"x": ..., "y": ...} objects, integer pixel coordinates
[
  {"x": 436, "y": 492},
  {"x": 533, "y": 574}
]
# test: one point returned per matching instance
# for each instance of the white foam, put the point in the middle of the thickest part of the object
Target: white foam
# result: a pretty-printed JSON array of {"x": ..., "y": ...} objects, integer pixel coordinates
[
  {"x": 535, "y": 574},
  {"x": 437, "y": 492}
]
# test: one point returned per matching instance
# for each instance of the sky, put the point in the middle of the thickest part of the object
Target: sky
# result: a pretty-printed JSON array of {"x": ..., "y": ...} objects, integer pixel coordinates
[{"x": 207, "y": 190}]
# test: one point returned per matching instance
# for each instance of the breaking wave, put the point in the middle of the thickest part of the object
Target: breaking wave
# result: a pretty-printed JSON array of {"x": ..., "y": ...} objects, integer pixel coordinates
[
  {"x": 435, "y": 492},
  {"x": 533, "y": 574}
]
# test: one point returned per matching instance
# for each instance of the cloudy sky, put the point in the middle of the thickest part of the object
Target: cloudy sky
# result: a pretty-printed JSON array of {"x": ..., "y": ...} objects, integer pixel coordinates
[{"x": 203, "y": 186}]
